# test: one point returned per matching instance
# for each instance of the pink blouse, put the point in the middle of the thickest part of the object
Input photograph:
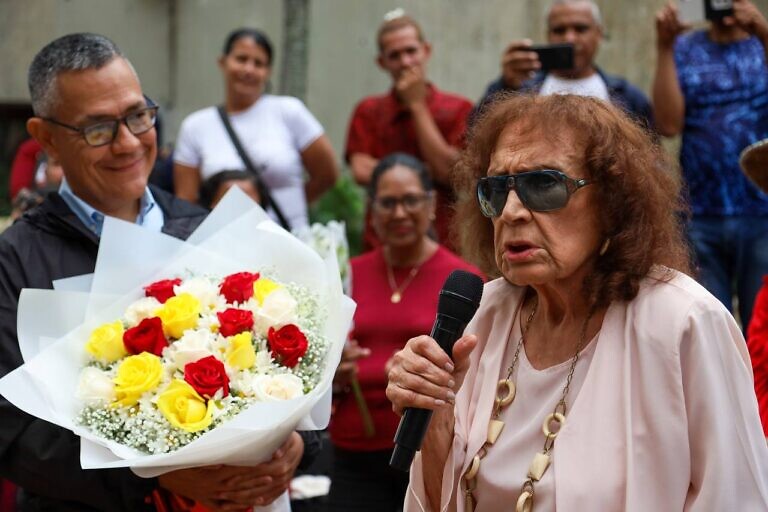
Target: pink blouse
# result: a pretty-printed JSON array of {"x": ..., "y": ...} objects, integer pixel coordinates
[{"x": 666, "y": 417}]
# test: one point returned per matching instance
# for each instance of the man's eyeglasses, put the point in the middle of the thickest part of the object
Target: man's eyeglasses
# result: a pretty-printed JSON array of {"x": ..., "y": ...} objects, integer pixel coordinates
[
  {"x": 104, "y": 132},
  {"x": 539, "y": 191},
  {"x": 411, "y": 202}
]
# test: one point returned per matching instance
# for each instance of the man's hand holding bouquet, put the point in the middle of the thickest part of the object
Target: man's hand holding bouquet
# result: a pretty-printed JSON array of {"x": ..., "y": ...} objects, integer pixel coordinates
[{"x": 204, "y": 354}]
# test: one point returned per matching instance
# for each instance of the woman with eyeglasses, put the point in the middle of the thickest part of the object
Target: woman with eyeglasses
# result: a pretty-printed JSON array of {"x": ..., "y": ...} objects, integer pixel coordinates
[
  {"x": 279, "y": 136},
  {"x": 596, "y": 374},
  {"x": 396, "y": 287}
]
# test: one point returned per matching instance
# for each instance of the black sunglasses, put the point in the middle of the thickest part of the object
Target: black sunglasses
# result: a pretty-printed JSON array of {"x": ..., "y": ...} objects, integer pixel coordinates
[
  {"x": 104, "y": 132},
  {"x": 539, "y": 191}
]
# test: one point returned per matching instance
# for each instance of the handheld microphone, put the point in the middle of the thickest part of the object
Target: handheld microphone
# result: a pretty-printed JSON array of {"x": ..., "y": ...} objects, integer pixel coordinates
[{"x": 459, "y": 299}]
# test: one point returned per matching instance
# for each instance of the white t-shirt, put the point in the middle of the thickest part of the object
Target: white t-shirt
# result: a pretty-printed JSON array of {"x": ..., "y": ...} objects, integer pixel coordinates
[
  {"x": 273, "y": 131},
  {"x": 591, "y": 86}
]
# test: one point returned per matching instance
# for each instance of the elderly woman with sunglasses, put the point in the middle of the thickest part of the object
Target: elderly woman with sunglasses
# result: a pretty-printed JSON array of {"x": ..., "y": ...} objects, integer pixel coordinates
[
  {"x": 396, "y": 288},
  {"x": 596, "y": 374}
]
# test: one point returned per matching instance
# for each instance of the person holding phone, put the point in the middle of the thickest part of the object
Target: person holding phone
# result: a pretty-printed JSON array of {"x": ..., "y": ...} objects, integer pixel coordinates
[
  {"x": 578, "y": 23},
  {"x": 711, "y": 86}
]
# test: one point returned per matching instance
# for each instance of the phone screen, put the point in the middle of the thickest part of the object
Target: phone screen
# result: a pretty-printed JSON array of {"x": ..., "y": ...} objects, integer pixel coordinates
[
  {"x": 695, "y": 11},
  {"x": 554, "y": 56}
]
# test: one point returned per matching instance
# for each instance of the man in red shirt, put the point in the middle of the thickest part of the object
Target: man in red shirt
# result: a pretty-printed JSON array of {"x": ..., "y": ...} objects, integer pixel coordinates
[{"x": 414, "y": 117}]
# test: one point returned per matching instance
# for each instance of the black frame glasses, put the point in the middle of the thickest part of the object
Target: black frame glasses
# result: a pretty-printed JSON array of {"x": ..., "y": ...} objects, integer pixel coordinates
[
  {"x": 544, "y": 190},
  {"x": 411, "y": 202},
  {"x": 102, "y": 133}
]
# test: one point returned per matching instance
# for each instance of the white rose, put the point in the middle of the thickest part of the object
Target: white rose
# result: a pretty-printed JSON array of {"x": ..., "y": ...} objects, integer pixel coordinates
[
  {"x": 95, "y": 387},
  {"x": 279, "y": 309},
  {"x": 193, "y": 345},
  {"x": 141, "y": 309},
  {"x": 201, "y": 288},
  {"x": 272, "y": 388}
]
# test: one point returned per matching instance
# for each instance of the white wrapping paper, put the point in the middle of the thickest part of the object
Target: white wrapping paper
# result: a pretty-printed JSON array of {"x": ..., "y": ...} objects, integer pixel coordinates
[{"x": 54, "y": 324}]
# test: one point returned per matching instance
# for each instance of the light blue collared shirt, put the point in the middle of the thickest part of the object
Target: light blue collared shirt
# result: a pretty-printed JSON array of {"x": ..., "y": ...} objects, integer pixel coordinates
[{"x": 150, "y": 215}]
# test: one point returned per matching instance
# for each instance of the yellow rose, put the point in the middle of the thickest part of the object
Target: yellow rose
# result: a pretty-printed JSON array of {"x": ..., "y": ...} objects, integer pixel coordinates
[
  {"x": 178, "y": 314},
  {"x": 184, "y": 408},
  {"x": 106, "y": 343},
  {"x": 240, "y": 353},
  {"x": 135, "y": 376},
  {"x": 263, "y": 287}
]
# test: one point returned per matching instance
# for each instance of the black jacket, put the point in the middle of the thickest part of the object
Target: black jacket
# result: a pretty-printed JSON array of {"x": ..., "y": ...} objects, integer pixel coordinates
[{"x": 49, "y": 243}]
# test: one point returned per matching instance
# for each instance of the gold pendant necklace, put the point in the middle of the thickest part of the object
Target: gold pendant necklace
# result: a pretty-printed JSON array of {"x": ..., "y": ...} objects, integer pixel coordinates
[
  {"x": 397, "y": 291},
  {"x": 553, "y": 424}
]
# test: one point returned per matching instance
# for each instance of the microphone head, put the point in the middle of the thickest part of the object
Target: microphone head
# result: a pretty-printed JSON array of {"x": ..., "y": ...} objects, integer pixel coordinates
[{"x": 460, "y": 296}]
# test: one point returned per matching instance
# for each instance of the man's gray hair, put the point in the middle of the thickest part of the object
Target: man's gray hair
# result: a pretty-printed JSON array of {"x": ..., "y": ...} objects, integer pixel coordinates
[
  {"x": 596, "y": 16},
  {"x": 73, "y": 52}
]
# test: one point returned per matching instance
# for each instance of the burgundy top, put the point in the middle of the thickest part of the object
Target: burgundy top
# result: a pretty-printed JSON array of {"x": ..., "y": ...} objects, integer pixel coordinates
[
  {"x": 757, "y": 343},
  {"x": 23, "y": 166},
  {"x": 384, "y": 327},
  {"x": 381, "y": 125}
]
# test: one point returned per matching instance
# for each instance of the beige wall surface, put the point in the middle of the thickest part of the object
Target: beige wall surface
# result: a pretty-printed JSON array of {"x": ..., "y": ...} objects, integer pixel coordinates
[
  {"x": 174, "y": 44},
  {"x": 139, "y": 27}
]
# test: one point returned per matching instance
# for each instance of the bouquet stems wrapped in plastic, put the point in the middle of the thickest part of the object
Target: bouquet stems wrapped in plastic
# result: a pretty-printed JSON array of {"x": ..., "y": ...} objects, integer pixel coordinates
[{"x": 54, "y": 326}]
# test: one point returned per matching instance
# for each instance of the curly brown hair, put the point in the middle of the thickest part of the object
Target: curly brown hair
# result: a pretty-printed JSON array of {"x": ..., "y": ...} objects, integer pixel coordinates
[{"x": 641, "y": 208}]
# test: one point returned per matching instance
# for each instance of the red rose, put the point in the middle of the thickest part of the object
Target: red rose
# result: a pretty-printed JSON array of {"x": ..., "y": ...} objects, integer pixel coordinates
[
  {"x": 207, "y": 376},
  {"x": 146, "y": 337},
  {"x": 238, "y": 287},
  {"x": 162, "y": 290},
  {"x": 288, "y": 344},
  {"x": 234, "y": 321}
]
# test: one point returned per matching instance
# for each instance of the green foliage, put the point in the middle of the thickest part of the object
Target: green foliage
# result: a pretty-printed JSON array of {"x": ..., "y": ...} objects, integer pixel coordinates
[{"x": 344, "y": 202}]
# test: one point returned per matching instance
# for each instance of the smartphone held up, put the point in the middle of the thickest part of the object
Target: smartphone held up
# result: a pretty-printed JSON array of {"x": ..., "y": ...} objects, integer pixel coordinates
[
  {"x": 554, "y": 56},
  {"x": 696, "y": 11}
]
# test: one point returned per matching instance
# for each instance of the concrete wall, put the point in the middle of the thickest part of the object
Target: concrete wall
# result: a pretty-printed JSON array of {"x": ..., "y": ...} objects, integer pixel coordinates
[
  {"x": 177, "y": 62},
  {"x": 139, "y": 27}
]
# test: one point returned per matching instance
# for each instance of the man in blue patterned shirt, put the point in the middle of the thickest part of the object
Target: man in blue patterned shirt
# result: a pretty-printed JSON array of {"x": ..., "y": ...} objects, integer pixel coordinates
[{"x": 711, "y": 85}]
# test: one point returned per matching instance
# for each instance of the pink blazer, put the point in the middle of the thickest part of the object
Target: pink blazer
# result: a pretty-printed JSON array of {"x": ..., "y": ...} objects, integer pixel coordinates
[{"x": 666, "y": 419}]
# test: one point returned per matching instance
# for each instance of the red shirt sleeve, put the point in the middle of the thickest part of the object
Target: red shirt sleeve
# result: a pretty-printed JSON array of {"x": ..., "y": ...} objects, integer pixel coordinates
[
  {"x": 457, "y": 134},
  {"x": 361, "y": 131},
  {"x": 23, "y": 166},
  {"x": 757, "y": 343}
]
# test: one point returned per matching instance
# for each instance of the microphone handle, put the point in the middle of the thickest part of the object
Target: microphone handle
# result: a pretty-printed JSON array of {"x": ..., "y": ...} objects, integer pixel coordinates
[{"x": 414, "y": 423}]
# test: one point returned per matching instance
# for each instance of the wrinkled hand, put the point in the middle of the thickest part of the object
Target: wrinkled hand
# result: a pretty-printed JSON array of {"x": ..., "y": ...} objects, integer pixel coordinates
[
  {"x": 347, "y": 369},
  {"x": 518, "y": 64},
  {"x": 749, "y": 18},
  {"x": 236, "y": 488},
  {"x": 668, "y": 26},
  {"x": 390, "y": 363},
  {"x": 423, "y": 376},
  {"x": 411, "y": 87}
]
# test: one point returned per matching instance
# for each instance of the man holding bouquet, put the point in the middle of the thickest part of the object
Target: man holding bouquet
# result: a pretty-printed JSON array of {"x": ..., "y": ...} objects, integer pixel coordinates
[{"x": 91, "y": 115}]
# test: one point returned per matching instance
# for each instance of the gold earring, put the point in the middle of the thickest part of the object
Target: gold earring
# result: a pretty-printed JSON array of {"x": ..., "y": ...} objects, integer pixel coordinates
[{"x": 604, "y": 247}]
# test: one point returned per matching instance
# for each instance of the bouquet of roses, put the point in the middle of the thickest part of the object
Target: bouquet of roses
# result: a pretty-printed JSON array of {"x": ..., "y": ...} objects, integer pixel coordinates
[
  {"x": 178, "y": 354},
  {"x": 194, "y": 353}
]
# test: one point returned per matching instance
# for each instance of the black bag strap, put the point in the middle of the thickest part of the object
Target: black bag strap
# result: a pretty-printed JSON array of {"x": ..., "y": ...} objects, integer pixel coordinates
[{"x": 251, "y": 168}]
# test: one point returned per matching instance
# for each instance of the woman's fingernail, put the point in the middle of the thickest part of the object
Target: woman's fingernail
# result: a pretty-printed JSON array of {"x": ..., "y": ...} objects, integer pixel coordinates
[
  {"x": 439, "y": 402},
  {"x": 448, "y": 367},
  {"x": 451, "y": 383},
  {"x": 450, "y": 396}
]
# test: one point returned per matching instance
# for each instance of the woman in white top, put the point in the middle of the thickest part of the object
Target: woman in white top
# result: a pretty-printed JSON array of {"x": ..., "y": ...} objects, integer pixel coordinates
[{"x": 281, "y": 137}]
